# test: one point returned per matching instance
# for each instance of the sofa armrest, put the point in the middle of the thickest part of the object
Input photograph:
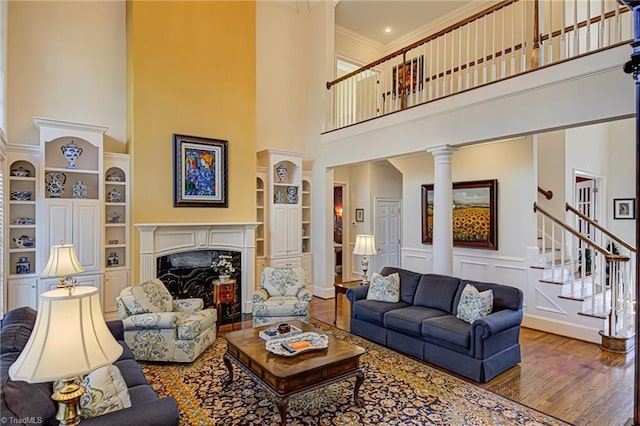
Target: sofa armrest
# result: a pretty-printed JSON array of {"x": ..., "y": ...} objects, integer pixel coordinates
[
  {"x": 305, "y": 294},
  {"x": 116, "y": 328},
  {"x": 163, "y": 411},
  {"x": 260, "y": 295},
  {"x": 496, "y": 322},
  {"x": 156, "y": 321},
  {"x": 357, "y": 293},
  {"x": 188, "y": 306},
  {"x": 495, "y": 332}
]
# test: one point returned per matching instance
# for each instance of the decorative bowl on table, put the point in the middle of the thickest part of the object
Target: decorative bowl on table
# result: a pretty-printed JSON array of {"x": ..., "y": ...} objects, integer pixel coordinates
[{"x": 300, "y": 343}]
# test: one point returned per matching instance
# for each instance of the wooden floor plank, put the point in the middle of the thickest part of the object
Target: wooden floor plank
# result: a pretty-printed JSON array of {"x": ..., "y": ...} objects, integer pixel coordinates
[{"x": 567, "y": 378}]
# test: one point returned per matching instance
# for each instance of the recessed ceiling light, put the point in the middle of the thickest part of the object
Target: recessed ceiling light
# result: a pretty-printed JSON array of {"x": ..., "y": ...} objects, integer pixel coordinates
[{"x": 387, "y": 30}]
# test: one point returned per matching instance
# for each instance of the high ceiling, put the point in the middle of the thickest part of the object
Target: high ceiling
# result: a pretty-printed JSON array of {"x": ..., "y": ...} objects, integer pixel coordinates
[{"x": 369, "y": 18}]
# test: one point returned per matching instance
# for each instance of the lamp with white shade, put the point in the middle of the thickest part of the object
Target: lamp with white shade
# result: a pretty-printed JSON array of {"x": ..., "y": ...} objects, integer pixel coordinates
[
  {"x": 365, "y": 246},
  {"x": 70, "y": 338},
  {"x": 62, "y": 263}
]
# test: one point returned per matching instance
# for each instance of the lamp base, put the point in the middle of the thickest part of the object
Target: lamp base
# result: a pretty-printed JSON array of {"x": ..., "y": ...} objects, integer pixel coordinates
[
  {"x": 68, "y": 399},
  {"x": 365, "y": 268}
]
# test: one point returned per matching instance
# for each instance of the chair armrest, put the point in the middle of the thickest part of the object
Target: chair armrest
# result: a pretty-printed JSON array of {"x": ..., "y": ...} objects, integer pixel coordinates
[
  {"x": 163, "y": 411},
  {"x": 260, "y": 295},
  {"x": 116, "y": 328},
  {"x": 160, "y": 320},
  {"x": 305, "y": 294},
  {"x": 496, "y": 322},
  {"x": 188, "y": 306},
  {"x": 357, "y": 293}
]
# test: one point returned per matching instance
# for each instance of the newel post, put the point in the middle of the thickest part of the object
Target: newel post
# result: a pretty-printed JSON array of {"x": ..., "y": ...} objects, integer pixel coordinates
[{"x": 633, "y": 67}]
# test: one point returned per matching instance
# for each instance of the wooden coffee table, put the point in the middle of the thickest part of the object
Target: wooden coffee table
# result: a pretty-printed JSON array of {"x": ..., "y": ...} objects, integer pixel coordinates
[{"x": 284, "y": 377}]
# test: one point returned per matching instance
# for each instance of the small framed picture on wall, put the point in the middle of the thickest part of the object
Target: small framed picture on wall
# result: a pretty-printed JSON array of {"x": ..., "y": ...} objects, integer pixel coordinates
[
  {"x": 359, "y": 215},
  {"x": 624, "y": 208}
]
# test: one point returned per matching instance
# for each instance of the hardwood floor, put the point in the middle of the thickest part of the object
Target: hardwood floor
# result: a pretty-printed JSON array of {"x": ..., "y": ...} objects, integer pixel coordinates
[{"x": 570, "y": 379}]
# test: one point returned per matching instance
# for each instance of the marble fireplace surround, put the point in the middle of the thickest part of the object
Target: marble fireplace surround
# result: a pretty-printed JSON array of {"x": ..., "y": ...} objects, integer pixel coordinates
[{"x": 161, "y": 239}]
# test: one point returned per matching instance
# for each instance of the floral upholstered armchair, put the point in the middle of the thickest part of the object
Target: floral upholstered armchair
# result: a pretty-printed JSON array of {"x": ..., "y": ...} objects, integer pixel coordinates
[
  {"x": 159, "y": 328},
  {"x": 282, "y": 296}
]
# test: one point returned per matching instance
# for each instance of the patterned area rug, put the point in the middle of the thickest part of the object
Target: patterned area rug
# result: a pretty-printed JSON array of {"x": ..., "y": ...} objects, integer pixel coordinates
[{"x": 397, "y": 390}]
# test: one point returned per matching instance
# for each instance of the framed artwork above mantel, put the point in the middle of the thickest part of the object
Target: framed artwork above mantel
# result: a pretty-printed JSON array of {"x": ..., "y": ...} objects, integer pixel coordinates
[{"x": 474, "y": 216}]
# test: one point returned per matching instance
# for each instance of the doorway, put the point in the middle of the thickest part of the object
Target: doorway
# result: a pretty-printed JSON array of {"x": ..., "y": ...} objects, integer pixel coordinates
[{"x": 338, "y": 231}]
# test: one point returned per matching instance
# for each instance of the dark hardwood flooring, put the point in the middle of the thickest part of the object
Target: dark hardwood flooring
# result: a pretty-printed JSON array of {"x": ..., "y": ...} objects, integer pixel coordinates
[{"x": 570, "y": 379}]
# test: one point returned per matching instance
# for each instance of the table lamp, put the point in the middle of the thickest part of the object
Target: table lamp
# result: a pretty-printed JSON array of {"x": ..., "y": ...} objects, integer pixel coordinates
[
  {"x": 70, "y": 338},
  {"x": 365, "y": 245},
  {"x": 62, "y": 263}
]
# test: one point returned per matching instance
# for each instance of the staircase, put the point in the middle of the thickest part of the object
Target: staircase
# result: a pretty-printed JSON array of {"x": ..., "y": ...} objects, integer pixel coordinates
[{"x": 592, "y": 271}]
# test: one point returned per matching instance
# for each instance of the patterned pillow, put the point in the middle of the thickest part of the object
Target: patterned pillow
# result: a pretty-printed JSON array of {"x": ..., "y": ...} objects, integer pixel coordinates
[
  {"x": 474, "y": 304},
  {"x": 105, "y": 391},
  {"x": 384, "y": 289},
  {"x": 282, "y": 281}
]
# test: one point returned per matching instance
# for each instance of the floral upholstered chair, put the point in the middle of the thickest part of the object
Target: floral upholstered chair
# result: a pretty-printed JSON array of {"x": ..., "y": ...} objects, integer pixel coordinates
[
  {"x": 159, "y": 328},
  {"x": 282, "y": 296}
]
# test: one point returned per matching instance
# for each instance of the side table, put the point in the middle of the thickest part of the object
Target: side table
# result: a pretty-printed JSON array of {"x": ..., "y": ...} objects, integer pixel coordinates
[
  {"x": 225, "y": 292},
  {"x": 341, "y": 288}
]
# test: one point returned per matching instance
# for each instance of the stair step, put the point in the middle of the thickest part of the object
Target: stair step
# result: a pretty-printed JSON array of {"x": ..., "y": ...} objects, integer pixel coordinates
[{"x": 593, "y": 315}]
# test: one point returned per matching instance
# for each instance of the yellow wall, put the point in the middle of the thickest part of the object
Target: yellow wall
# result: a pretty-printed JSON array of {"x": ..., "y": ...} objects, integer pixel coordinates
[{"x": 191, "y": 71}]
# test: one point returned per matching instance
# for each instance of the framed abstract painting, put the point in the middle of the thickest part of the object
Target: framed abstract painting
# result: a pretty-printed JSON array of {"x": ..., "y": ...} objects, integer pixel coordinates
[{"x": 200, "y": 172}]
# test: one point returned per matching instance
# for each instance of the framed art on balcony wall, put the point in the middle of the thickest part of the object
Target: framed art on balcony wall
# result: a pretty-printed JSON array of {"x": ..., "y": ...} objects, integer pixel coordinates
[
  {"x": 409, "y": 76},
  {"x": 624, "y": 208},
  {"x": 474, "y": 216},
  {"x": 200, "y": 172}
]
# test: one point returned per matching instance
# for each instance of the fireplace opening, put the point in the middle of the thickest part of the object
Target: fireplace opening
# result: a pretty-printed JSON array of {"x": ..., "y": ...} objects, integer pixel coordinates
[{"x": 189, "y": 275}]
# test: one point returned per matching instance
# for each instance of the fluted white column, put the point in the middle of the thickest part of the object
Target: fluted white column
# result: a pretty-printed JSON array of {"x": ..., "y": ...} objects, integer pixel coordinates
[{"x": 442, "y": 211}]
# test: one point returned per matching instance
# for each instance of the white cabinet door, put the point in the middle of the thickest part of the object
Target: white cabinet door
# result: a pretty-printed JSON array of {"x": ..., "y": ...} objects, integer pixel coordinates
[
  {"x": 114, "y": 283},
  {"x": 22, "y": 292},
  {"x": 293, "y": 262},
  {"x": 76, "y": 222},
  {"x": 287, "y": 229}
]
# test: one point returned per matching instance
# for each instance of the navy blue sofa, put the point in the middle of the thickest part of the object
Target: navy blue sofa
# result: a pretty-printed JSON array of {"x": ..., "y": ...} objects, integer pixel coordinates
[
  {"x": 31, "y": 403},
  {"x": 423, "y": 324}
]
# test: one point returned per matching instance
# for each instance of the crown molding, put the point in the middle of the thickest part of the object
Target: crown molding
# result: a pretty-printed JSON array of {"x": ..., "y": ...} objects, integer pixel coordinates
[{"x": 360, "y": 38}]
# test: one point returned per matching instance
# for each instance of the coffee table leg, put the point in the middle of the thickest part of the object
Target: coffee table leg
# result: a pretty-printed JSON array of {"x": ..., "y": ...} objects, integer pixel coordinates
[
  {"x": 227, "y": 364},
  {"x": 359, "y": 379},
  {"x": 282, "y": 409}
]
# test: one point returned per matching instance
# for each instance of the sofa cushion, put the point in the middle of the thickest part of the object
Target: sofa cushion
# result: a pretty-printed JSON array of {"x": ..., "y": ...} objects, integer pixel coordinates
[
  {"x": 16, "y": 329},
  {"x": 504, "y": 297},
  {"x": 448, "y": 329},
  {"x": 192, "y": 325},
  {"x": 149, "y": 297},
  {"x": 409, "y": 319},
  {"x": 474, "y": 304},
  {"x": 373, "y": 311},
  {"x": 384, "y": 289},
  {"x": 408, "y": 282},
  {"x": 131, "y": 372},
  {"x": 141, "y": 393},
  {"x": 436, "y": 291}
]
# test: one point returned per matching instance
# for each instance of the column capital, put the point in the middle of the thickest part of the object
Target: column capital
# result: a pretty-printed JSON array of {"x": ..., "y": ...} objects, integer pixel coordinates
[{"x": 442, "y": 150}]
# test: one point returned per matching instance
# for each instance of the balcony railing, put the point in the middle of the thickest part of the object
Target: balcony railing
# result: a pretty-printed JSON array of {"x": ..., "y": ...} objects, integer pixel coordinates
[{"x": 505, "y": 40}]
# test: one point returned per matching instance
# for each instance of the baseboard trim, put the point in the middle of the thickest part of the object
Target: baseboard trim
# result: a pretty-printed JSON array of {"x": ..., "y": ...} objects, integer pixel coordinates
[
  {"x": 562, "y": 328},
  {"x": 324, "y": 292}
]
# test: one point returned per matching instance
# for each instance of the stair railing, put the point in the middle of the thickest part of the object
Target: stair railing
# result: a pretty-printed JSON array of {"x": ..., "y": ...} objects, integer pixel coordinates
[{"x": 592, "y": 272}]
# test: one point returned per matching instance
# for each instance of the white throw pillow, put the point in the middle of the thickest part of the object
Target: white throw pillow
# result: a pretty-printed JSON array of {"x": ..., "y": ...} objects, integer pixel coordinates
[
  {"x": 474, "y": 304},
  {"x": 384, "y": 289}
]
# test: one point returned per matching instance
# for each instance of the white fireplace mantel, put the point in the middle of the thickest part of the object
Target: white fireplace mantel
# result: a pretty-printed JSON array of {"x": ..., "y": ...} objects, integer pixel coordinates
[{"x": 161, "y": 239}]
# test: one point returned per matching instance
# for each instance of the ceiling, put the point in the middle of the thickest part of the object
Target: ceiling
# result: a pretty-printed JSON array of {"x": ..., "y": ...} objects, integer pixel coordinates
[{"x": 369, "y": 18}]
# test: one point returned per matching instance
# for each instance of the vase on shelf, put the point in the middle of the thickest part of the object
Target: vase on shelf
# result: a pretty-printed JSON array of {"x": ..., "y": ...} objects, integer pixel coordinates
[
  {"x": 79, "y": 190},
  {"x": 54, "y": 183},
  {"x": 113, "y": 260},
  {"x": 282, "y": 173},
  {"x": 23, "y": 265},
  {"x": 114, "y": 196},
  {"x": 71, "y": 153}
]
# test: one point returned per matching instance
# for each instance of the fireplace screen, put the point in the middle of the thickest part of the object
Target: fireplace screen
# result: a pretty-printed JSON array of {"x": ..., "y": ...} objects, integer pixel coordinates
[{"x": 190, "y": 275}]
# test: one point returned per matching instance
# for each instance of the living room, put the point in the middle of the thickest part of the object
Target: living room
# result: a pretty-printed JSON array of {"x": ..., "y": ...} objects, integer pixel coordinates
[{"x": 122, "y": 66}]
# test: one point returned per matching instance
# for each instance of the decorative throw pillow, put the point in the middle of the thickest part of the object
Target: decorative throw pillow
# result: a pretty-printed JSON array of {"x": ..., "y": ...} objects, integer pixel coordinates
[
  {"x": 474, "y": 304},
  {"x": 384, "y": 289},
  {"x": 105, "y": 391}
]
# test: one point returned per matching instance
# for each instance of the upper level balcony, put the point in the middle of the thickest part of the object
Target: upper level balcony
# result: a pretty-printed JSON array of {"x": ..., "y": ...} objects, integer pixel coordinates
[{"x": 510, "y": 39}]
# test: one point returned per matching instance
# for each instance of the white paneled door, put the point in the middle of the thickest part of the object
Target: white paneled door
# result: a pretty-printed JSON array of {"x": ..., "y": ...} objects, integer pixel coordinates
[{"x": 388, "y": 234}]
